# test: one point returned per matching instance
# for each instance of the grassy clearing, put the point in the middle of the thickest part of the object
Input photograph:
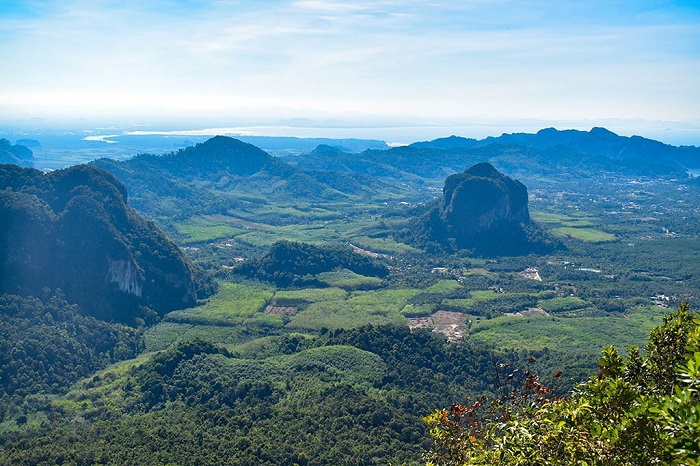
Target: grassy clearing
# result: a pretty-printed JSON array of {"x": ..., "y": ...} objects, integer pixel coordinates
[
  {"x": 579, "y": 223},
  {"x": 443, "y": 286},
  {"x": 477, "y": 297},
  {"x": 563, "y": 303},
  {"x": 362, "y": 307},
  {"x": 313, "y": 234},
  {"x": 589, "y": 235},
  {"x": 574, "y": 219},
  {"x": 548, "y": 217},
  {"x": 220, "y": 219},
  {"x": 300, "y": 213},
  {"x": 383, "y": 245},
  {"x": 198, "y": 233},
  {"x": 576, "y": 226},
  {"x": 417, "y": 310},
  {"x": 234, "y": 304},
  {"x": 310, "y": 233},
  {"x": 166, "y": 334},
  {"x": 477, "y": 271},
  {"x": 311, "y": 295},
  {"x": 587, "y": 334},
  {"x": 349, "y": 280}
]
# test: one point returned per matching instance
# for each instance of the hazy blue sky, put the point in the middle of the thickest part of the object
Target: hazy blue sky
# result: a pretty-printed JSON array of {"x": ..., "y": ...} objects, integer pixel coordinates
[{"x": 405, "y": 61}]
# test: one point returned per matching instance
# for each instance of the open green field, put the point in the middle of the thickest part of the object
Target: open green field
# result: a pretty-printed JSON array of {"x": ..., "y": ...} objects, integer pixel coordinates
[
  {"x": 562, "y": 303},
  {"x": 166, "y": 334},
  {"x": 316, "y": 227},
  {"x": 581, "y": 334},
  {"x": 311, "y": 295},
  {"x": 234, "y": 315},
  {"x": 349, "y": 280},
  {"x": 579, "y": 226},
  {"x": 576, "y": 220},
  {"x": 199, "y": 233},
  {"x": 444, "y": 286},
  {"x": 361, "y": 307},
  {"x": 477, "y": 298},
  {"x": 383, "y": 245},
  {"x": 590, "y": 235},
  {"x": 233, "y": 304}
]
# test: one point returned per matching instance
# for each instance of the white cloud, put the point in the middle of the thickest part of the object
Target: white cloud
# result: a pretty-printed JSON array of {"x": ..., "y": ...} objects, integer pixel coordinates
[{"x": 441, "y": 59}]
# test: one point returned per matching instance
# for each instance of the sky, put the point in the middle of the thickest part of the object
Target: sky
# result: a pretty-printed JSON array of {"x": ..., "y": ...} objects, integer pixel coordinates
[{"x": 628, "y": 65}]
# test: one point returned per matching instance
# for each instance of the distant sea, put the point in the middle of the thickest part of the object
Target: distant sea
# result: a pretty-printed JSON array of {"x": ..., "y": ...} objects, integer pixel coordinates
[
  {"x": 398, "y": 134},
  {"x": 393, "y": 135}
]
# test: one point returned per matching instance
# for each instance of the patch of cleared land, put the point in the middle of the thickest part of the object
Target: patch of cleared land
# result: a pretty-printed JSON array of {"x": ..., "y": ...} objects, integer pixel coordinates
[{"x": 450, "y": 324}]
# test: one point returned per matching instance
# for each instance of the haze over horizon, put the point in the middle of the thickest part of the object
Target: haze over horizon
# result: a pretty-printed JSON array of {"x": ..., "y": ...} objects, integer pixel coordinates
[{"x": 475, "y": 68}]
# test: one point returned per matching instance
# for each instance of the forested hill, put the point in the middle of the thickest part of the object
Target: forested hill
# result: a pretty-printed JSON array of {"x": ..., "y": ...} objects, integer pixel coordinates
[
  {"x": 216, "y": 154},
  {"x": 73, "y": 230},
  {"x": 224, "y": 173},
  {"x": 288, "y": 263},
  {"x": 483, "y": 210}
]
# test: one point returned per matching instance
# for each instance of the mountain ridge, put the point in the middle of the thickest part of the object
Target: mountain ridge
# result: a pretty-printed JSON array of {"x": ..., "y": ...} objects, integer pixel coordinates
[
  {"x": 598, "y": 141},
  {"x": 223, "y": 173}
]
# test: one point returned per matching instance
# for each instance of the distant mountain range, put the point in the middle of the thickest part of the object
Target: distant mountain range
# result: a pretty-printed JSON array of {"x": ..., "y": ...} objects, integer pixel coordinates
[
  {"x": 549, "y": 151},
  {"x": 16, "y": 154},
  {"x": 598, "y": 142},
  {"x": 222, "y": 173},
  {"x": 227, "y": 176}
]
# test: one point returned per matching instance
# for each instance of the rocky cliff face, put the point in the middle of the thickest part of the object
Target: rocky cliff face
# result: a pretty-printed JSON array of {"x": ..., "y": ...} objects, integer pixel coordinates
[
  {"x": 482, "y": 210},
  {"x": 480, "y": 200},
  {"x": 124, "y": 274},
  {"x": 72, "y": 229}
]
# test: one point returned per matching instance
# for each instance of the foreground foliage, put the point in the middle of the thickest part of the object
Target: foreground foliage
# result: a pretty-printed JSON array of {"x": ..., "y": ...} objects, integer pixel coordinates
[{"x": 638, "y": 410}]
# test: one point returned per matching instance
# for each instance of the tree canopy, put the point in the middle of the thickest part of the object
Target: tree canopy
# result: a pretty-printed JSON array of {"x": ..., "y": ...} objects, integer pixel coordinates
[{"x": 641, "y": 409}]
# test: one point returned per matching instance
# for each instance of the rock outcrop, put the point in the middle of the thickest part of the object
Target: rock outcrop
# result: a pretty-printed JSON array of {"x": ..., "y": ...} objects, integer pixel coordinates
[
  {"x": 124, "y": 273},
  {"x": 482, "y": 200},
  {"x": 482, "y": 210},
  {"x": 72, "y": 230}
]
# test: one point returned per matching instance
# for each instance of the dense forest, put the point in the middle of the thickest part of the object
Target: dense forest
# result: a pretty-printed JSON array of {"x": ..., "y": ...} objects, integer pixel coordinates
[
  {"x": 48, "y": 345},
  {"x": 360, "y": 391},
  {"x": 288, "y": 263}
]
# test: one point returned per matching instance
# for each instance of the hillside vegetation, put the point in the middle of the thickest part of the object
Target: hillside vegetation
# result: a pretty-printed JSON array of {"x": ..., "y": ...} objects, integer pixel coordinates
[
  {"x": 312, "y": 309},
  {"x": 73, "y": 230}
]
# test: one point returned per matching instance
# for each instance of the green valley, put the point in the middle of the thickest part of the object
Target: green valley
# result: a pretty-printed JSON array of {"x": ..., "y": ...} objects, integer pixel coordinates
[{"x": 320, "y": 304}]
